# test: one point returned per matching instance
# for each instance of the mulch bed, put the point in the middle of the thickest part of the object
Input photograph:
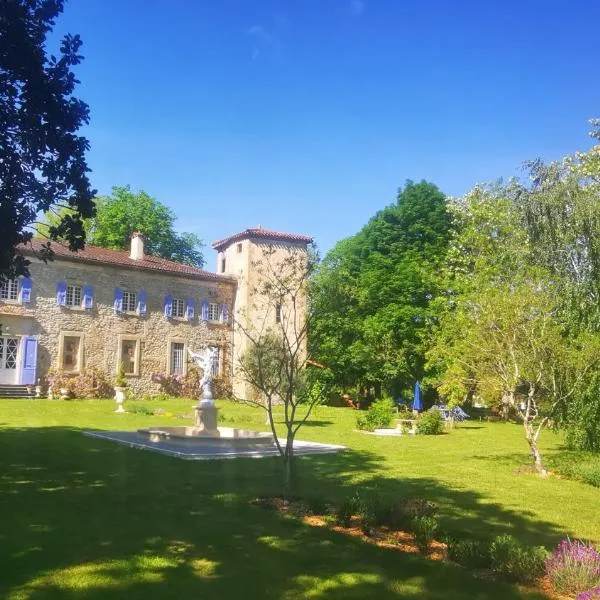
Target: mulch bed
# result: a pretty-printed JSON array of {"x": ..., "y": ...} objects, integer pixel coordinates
[{"x": 384, "y": 537}]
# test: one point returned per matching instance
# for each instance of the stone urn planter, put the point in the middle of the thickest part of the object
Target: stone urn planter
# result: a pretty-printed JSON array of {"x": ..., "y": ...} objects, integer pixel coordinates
[
  {"x": 64, "y": 393},
  {"x": 120, "y": 393},
  {"x": 120, "y": 389}
]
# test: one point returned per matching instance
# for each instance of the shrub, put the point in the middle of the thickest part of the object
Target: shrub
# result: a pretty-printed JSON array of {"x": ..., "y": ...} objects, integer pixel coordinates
[
  {"x": 120, "y": 379},
  {"x": 582, "y": 466},
  {"x": 380, "y": 414},
  {"x": 424, "y": 530},
  {"x": 471, "y": 554},
  {"x": 590, "y": 594},
  {"x": 140, "y": 409},
  {"x": 515, "y": 562},
  {"x": 430, "y": 423},
  {"x": 574, "y": 567},
  {"x": 89, "y": 383},
  {"x": 345, "y": 512}
]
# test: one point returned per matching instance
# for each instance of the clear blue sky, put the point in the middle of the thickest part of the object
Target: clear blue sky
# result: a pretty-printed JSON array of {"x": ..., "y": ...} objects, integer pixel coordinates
[{"x": 307, "y": 115}]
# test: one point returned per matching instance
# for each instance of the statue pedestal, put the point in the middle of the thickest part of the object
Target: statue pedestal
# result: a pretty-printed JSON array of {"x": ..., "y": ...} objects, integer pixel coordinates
[{"x": 206, "y": 419}]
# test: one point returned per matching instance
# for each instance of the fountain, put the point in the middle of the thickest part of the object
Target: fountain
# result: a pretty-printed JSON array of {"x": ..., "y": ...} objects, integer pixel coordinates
[{"x": 205, "y": 430}]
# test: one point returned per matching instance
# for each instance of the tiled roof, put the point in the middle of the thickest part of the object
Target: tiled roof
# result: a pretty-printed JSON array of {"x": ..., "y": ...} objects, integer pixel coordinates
[
  {"x": 263, "y": 234},
  {"x": 120, "y": 258}
]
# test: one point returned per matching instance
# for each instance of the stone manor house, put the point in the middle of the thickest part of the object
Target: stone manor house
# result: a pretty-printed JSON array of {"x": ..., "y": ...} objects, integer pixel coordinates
[{"x": 100, "y": 307}]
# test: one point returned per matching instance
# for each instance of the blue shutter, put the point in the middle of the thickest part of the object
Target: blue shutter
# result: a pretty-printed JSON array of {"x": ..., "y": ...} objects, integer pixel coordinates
[
  {"x": 118, "y": 303},
  {"x": 29, "y": 364},
  {"x": 204, "y": 310},
  {"x": 26, "y": 290},
  {"x": 88, "y": 297},
  {"x": 189, "y": 309},
  {"x": 142, "y": 305},
  {"x": 224, "y": 313},
  {"x": 168, "y": 305},
  {"x": 61, "y": 293}
]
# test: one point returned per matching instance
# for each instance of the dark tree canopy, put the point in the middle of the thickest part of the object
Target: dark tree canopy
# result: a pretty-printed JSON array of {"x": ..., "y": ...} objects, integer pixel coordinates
[
  {"x": 125, "y": 211},
  {"x": 372, "y": 294},
  {"x": 42, "y": 159}
]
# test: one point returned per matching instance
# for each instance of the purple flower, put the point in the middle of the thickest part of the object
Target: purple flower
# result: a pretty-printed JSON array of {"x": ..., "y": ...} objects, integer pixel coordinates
[{"x": 575, "y": 566}]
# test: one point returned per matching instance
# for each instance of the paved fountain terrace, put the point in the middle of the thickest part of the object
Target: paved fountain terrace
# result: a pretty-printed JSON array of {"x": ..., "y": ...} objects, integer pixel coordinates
[
  {"x": 204, "y": 440},
  {"x": 204, "y": 448}
]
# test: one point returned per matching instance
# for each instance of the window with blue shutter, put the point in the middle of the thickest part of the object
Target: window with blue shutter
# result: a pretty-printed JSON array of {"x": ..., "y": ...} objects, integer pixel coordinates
[
  {"x": 118, "y": 303},
  {"x": 168, "y": 305},
  {"x": 189, "y": 309},
  {"x": 26, "y": 290},
  {"x": 61, "y": 293},
  {"x": 88, "y": 297},
  {"x": 142, "y": 305},
  {"x": 224, "y": 313},
  {"x": 204, "y": 310}
]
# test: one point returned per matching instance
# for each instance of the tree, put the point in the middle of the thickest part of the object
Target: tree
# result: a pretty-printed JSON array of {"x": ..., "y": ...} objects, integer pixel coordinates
[
  {"x": 125, "y": 212},
  {"x": 42, "y": 159},
  {"x": 276, "y": 362},
  {"x": 372, "y": 293},
  {"x": 561, "y": 211},
  {"x": 501, "y": 333}
]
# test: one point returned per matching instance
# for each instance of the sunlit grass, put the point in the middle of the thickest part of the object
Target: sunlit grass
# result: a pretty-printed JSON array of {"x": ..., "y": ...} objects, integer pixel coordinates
[{"x": 86, "y": 518}]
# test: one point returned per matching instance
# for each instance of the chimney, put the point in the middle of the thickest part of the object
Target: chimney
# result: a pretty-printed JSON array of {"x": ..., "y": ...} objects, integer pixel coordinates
[{"x": 137, "y": 246}]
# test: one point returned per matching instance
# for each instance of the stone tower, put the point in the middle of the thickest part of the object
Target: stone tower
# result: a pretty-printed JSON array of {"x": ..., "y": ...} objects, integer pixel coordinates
[{"x": 250, "y": 256}]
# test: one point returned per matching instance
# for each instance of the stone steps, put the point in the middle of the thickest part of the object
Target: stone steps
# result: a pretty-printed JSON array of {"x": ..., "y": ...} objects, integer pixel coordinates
[{"x": 15, "y": 391}]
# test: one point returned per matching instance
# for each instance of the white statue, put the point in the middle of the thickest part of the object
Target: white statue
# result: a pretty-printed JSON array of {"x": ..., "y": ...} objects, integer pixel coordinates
[{"x": 206, "y": 361}]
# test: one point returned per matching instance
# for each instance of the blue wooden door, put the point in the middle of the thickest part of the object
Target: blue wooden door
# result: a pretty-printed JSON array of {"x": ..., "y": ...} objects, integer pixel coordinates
[{"x": 29, "y": 364}]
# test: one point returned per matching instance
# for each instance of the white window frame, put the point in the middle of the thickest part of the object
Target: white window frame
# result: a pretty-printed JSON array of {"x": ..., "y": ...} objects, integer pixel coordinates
[
  {"x": 9, "y": 290},
  {"x": 216, "y": 367},
  {"x": 178, "y": 303},
  {"x": 61, "y": 350},
  {"x": 171, "y": 345},
  {"x": 71, "y": 294},
  {"x": 213, "y": 312},
  {"x": 129, "y": 299},
  {"x": 137, "y": 357}
]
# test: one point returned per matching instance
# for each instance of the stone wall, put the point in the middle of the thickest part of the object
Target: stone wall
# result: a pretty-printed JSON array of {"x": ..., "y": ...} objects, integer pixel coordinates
[{"x": 102, "y": 330}]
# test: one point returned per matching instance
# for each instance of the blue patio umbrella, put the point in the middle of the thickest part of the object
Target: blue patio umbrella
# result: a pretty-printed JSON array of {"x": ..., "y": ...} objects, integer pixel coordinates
[{"x": 417, "y": 404}]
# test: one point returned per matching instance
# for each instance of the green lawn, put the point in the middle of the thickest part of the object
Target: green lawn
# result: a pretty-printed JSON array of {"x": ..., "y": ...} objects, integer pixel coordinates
[{"x": 83, "y": 518}]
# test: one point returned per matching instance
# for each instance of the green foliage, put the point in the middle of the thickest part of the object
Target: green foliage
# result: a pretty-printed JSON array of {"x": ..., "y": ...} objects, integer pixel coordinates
[
  {"x": 430, "y": 422},
  {"x": 511, "y": 560},
  {"x": 124, "y": 212},
  {"x": 345, "y": 511},
  {"x": 89, "y": 383},
  {"x": 424, "y": 529},
  {"x": 471, "y": 554},
  {"x": 42, "y": 163},
  {"x": 379, "y": 415},
  {"x": 120, "y": 379},
  {"x": 139, "y": 409},
  {"x": 372, "y": 294},
  {"x": 581, "y": 466}
]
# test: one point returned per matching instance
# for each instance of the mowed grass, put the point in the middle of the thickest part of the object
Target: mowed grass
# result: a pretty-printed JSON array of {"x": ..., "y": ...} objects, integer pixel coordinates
[{"x": 84, "y": 518}]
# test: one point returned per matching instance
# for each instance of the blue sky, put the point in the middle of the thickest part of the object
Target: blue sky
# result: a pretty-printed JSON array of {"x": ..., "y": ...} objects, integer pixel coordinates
[{"x": 307, "y": 115}]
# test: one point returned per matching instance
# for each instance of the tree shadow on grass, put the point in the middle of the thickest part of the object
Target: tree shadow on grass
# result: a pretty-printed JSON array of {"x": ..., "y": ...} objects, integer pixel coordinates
[{"x": 86, "y": 518}]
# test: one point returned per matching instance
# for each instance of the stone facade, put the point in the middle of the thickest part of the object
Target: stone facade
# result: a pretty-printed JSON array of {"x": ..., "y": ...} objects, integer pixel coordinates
[
  {"x": 251, "y": 259},
  {"x": 100, "y": 308},
  {"x": 73, "y": 337}
]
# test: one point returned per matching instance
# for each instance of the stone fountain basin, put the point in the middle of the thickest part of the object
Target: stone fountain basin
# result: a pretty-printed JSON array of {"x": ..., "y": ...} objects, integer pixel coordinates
[{"x": 227, "y": 436}]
